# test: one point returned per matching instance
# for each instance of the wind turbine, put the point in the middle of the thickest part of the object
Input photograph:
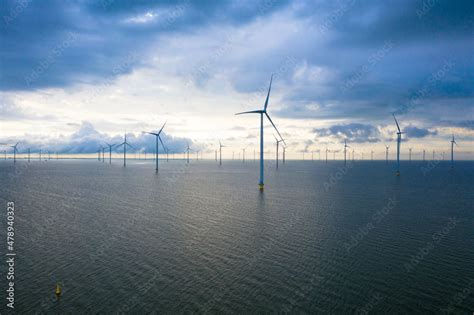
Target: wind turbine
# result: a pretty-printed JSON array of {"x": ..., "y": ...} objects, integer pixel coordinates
[
  {"x": 278, "y": 145},
  {"x": 98, "y": 155},
  {"x": 353, "y": 153},
  {"x": 327, "y": 153},
  {"x": 243, "y": 154},
  {"x": 187, "y": 151},
  {"x": 124, "y": 144},
  {"x": 399, "y": 140},
  {"x": 345, "y": 150},
  {"x": 261, "y": 113},
  {"x": 158, "y": 139},
  {"x": 453, "y": 142},
  {"x": 15, "y": 150},
  {"x": 103, "y": 153},
  {"x": 110, "y": 151},
  {"x": 424, "y": 153},
  {"x": 220, "y": 152},
  {"x": 409, "y": 154},
  {"x": 386, "y": 153},
  {"x": 284, "y": 154},
  {"x": 433, "y": 155}
]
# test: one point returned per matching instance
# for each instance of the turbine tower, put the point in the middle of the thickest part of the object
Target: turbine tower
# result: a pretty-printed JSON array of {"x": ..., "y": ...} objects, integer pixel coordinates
[
  {"x": 220, "y": 152},
  {"x": 409, "y": 154},
  {"x": 187, "y": 151},
  {"x": 243, "y": 154},
  {"x": 345, "y": 150},
  {"x": 124, "y": 144},
  {"x": 277, "y": 151},
  {"x": 399, "y": 140},
  {"x": 157, "y": 140},
  {"x": 386, "y": 153},
  {"x": 453, "y": 142},
  {"x": 15, "y": 150},
  {"x": 327, "y": 154},
  {"x": 110, "y": 152},
  {"x": 262, "y": 113},
  {"x": 424, "y": 153},
  {"x": 284, "y": 154}
]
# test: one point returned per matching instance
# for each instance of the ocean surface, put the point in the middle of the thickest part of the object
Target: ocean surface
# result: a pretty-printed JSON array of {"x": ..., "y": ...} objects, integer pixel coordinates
[{"x": 201, "y": 238}]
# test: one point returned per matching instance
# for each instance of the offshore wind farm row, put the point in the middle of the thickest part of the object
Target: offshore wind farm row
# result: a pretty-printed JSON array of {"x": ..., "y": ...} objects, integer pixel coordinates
[{"x": 278, "y": 140}]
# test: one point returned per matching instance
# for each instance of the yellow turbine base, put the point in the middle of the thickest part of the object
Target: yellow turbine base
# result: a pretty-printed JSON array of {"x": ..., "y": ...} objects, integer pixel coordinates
[
  {"x": 58, "y": 290},
  {"x": 260, "y": 186}
]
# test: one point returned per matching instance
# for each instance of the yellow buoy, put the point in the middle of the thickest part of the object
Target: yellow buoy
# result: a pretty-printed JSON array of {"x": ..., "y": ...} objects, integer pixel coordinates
[{"x": 58, "y": 290}]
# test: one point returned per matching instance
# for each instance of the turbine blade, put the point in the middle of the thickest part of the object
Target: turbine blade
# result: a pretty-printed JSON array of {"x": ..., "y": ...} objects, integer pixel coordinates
[
  {"x": 275, "y": 127},
  {"x": 268, "y": 94},
  {"x": 398, "y": 127},
  {"x": 161, "y": 142},
  {"x": 162, "y": 128},
  {"x": 251, "y": 112}
]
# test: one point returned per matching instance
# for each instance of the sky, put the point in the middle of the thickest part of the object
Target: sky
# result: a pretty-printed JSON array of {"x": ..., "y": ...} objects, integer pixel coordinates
[{"x": 76, "y": 74}]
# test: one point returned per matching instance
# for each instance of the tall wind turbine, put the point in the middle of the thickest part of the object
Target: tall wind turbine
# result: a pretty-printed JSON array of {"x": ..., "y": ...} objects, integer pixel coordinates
[
  {"x": 220, "y": 152},
  {"x": 262, "y": 113},
  {"x": 158, "y": 139},
  {"x": 386, "y": 153},
  {"x": 110, "y": 151},
  {"x": 125, "y": 144},
  {"x": 409, "y": 154},
  {"x": 327, "y": 153},
  {"x": 399, "y": 140},
  {"x": 15, "y": 150},
  {"x": 371, "y": 155},
  {"x": 453, "y": 142},
  {"x": 424, "y": 153},
  {"x": 277, "y": 151},
  {"x": 345, "y": 150}
]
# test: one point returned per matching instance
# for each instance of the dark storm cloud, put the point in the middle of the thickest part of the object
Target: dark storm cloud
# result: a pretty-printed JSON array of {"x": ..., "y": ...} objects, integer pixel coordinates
[
  {"x": 358, "y": 133},
  {"x": 57, "y": 43},
  {"x": 348, "y": 58}
]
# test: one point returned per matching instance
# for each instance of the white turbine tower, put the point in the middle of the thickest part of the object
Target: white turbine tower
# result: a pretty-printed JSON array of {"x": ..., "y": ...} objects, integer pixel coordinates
[
  {"x": 262, "y": 113},
  {"x": 110, "y": 152},
  {"x": 15, "y": 150},
  {"x": 453, "y": 142},
  {"x": 399, "y": 140},
  {"x": 345, "y": 151},
  {"x": 125, "y": 144},
  {"x": 158, "y": 139},
  {"x": 187, "y": 151},
  {"x": 220, "y": 152},
  {"x": 386, "y": 153}
]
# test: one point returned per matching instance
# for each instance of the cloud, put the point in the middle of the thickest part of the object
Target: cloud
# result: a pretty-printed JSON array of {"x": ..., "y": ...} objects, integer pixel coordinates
[
  {"x": 415, "y": 132},
  {"x": 88, "y": 140},
  {"x": 356, "y": 133}
]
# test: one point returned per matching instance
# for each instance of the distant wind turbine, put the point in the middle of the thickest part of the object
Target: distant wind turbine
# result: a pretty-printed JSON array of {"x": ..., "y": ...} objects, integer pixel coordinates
[
  {"x": 262, "y": 113},
  {"x": 220, "y": 152},
  {"x": 386, "y": 153},
  {"x": 345, "y": 150},
  {"x": 424, "y": 153},
  {"x": 15, "y": 150},
  {"x": 284, "y": 154},
  {"x": 327, "y": 153},
  {"x": 371, "y": 155},
  {"x": 110, "y": 151},
  {"x": 277, "y": 150},
  {"x": 399, "y": 140},
  {"x": 187, "y": 151},
  {"x": 243, "y": 154},
  {"x": 453, "y": 142},
  {"x": 409, "y": 154},
  {"x": 157, "y": 141},
  {"x": 125, "y": 144}
]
